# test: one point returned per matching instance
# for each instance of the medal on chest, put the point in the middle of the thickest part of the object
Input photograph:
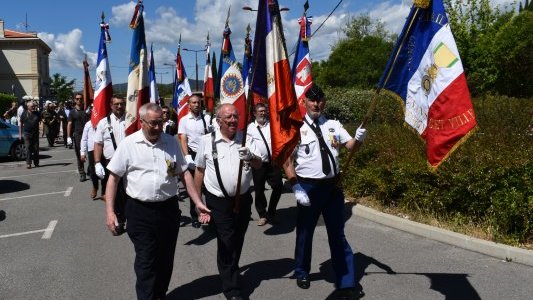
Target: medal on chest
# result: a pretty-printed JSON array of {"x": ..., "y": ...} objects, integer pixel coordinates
[{"x": 171, "y": 168}]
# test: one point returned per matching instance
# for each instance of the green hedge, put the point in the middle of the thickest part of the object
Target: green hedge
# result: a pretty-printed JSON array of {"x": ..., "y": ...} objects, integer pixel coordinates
[
  {"x": 5, "y": 102},
  {"x": 488, "y": 181}
]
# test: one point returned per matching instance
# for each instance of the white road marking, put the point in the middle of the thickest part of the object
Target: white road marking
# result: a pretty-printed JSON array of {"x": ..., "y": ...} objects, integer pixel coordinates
[
  {"x": 34, "y": 195},
  {"x": 37, "y": 174},
  {"x": 68, "y": 191},
  {"x": 46, "y": 235},
  {"x": 49, "y": 230}
]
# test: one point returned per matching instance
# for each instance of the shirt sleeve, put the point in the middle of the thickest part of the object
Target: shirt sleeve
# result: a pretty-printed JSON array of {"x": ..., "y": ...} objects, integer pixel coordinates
[
  {"x": 85, "y": 138},
  {"x": 200, "y": 154},
  {"x": 343, "y": 134},
  {"x": 99, "y": 133},
  {"x": 181, "y": 164},
  {"x": 119, "y": 161},
  {"x": 181, "y": 125}
]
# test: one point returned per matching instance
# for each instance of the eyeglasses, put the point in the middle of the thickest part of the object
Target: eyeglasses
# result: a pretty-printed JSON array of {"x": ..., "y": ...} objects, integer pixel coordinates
[
  {"x": 119, "y": 104},
  {"x": 154, "y": 123},
  {"x": 165, "y": 112},
  {"x": 78, "y": 98}
]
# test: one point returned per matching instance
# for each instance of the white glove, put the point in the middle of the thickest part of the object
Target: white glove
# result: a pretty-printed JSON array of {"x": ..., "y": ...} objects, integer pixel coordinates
[
  {"x": 190, "y": 162},
  {"x": 245, "y": 154},
  {"x": 360, "y": 134},
  {"x": 301, "y": 195},
  {"x": 99, "y": 170},
  {"x": 69, "y": 141},
  {"x": 210, "y": 128}
]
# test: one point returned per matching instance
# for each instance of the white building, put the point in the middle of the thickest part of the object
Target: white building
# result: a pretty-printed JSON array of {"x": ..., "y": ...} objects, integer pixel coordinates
[{"x": 24, "y": 68}]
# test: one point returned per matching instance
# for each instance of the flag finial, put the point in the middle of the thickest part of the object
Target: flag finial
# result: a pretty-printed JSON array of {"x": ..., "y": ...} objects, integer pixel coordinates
[
  {"x": 103, "y": 17},
  {"x": 421, "y": 3},
  {"x": 227, "y": 17}
]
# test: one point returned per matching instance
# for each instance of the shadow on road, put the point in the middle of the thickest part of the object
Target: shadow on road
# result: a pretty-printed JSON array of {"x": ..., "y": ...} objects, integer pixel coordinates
[
  {"x": 253, "y": 275},
  {"x": 205, "y": 237},
  {"x": 285, "y": 221},
  {"x": 56, "y": 164},
  {"x": 2, "y": 215},
  {"x": 12, "y": 186}
]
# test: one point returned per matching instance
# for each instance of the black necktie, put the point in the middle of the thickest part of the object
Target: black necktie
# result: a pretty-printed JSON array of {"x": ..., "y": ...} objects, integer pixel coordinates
[{"x": 326, "y": 167}]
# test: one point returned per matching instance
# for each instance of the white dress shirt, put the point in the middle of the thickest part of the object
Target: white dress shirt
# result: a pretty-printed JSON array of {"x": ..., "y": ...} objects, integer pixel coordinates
[
  {"x": 193, "y": 128},
  {"x": 102, "y": 136},
  {"x": 253, "y": 133},
  {"x": 87, "y": 138},
  {"x": 228, "y": 162},
  {"x": 150, "y": 171},
  {"x": 308, "y": 159}
]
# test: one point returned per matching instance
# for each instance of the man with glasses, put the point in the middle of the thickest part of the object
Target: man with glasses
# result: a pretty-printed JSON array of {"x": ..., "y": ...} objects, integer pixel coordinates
[
  {"x": 191, "y": 127},
  {"x": 217, "y": 162},
  {"x": 76, "y": 121},
  {"x": 110, "y": 131},
  {"x": 314, "y": 178},
  {"x": 149, "y": 163}
]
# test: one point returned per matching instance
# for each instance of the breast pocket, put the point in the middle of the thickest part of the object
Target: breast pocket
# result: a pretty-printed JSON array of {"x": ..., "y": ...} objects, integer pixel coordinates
[{"x": 307, "y": 146}]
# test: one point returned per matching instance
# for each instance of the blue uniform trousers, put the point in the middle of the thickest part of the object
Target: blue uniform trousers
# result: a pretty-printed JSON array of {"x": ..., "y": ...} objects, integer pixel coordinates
[{"x": 326, "y": 199}]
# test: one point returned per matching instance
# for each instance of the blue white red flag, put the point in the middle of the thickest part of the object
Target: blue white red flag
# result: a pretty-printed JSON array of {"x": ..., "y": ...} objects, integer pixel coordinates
[
  {"x": 103, "y": 84},
  {"x": 247, "y": 61},
  {"x": 426, "y": 73},
  {"x": 231, "y": 82},
  {"x": 272, "y": 79},
  {"x": 138, "y": 92},
  {"x": 154, "y": 92},
  {"x": 182, "y": 89},
  {"x": 301, "y": 68}
]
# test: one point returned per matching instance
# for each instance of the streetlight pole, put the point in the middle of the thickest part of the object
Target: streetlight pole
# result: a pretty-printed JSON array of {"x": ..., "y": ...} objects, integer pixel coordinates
[{"x": 196, "y": 59}]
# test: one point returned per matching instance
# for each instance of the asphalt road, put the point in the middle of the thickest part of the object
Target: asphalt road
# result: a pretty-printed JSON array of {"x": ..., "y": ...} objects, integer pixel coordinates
[{"x": 54, "y": 245}]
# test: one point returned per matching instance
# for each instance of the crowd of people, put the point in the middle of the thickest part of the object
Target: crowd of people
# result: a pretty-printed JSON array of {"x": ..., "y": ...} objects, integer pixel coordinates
[{"x": 138, "y": 179}]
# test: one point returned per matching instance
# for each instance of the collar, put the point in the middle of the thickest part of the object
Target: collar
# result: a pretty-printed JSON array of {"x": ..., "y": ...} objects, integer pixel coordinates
[
  {"x": 262, "y": 126},
  {"x": 191, "y": 116},
  {"x": 236, "y": 139},
  {"x": 116, "y": 118},
  {"x": 321, "y": 119},
  {"x": 139, "y": 137}
]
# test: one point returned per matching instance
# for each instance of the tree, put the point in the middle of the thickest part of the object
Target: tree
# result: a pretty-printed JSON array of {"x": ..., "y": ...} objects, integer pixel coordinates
[
  {"x": 61, "y": 88},
  {"x": 359, "y": 59}
]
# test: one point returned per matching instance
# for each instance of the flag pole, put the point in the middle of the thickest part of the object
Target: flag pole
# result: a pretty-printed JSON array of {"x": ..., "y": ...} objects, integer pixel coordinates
[
  {"x": 247, "y": 109},
  {"x": 418, "y": 4}
]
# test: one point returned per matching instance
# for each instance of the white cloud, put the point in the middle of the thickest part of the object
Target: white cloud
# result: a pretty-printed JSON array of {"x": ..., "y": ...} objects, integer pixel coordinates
[
  {"x": 121, "y": 14},
  {"x": 67, "y": 49}
]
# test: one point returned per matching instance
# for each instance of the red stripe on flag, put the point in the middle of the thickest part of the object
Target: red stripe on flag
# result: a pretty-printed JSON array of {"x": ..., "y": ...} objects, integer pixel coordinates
[
  {"x": 450, "y": 118},
  {"x": 285, "y": 120},
  {"x": 101, "y": 105}
]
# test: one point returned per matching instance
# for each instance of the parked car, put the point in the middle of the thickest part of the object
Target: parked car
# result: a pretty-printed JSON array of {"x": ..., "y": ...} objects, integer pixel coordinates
[{"x": 10, "y": 141}]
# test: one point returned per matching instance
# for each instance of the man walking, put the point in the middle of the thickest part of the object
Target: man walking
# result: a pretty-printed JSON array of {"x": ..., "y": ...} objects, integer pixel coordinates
[
  {"x": 259, "y": 132},
  {"x": 217, "y": 161},
  {"x": 149, "y": 163},
  {"x": 314, "y": 178},
  {"x": 191, "y": 127},
  {"x": 29, "y": 131},
  {"x": 76, "y": 121}
]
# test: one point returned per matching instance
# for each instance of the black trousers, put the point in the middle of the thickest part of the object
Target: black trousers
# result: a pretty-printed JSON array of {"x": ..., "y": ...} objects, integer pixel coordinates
[
  {"x": 91, "y": 171},
  {"x": 230, "y": 230},
  {"x": 272, "y": 174},
  {"x": 153, "y": 229},
  {"x": 77, "y": 146},
  {"x": 31, "y": 141}
]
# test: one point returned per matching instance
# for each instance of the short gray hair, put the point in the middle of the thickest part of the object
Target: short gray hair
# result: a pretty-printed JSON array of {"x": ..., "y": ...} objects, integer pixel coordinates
[
  {"x": 218, "y": 109},
  {"x": 149, "y": 107}
]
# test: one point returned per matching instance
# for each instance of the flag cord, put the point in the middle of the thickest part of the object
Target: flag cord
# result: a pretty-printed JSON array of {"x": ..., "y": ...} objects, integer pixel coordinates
[{"x": 373, "y": 102}]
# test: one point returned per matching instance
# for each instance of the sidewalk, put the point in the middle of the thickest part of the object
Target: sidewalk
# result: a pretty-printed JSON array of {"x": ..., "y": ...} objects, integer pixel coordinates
[{"x": 501, "y": 251}]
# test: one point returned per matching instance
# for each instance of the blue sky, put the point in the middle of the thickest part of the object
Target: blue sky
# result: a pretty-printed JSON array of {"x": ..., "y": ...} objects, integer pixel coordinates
[{"x": 71, "y": 28}]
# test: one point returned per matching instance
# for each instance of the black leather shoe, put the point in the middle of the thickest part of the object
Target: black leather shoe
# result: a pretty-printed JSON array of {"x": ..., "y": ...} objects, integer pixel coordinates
[
  {"x": 196, "y": 224},
  {"x": 303, "y": 283},
  {"x": 349, "y": 294},
  {"x": 83, "y": 178}
]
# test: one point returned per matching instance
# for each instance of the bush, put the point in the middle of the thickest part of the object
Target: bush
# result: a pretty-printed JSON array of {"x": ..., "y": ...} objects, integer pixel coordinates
[
  {"x": 488, "y": 180},
  {"x": 5, "y": 102}
]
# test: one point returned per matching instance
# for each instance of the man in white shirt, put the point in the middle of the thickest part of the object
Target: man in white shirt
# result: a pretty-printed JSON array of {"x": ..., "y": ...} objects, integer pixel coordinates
[
  {"x": 87, "y": 153},
  {"x": 104, "y": 147},
  {"x": 149, "y": 163},
  {"x": 217, "y": 161},
  {"x": 259, "y": 132},
  {"x": 314, "y": 177},
  {"x": 191, "y": 127}
]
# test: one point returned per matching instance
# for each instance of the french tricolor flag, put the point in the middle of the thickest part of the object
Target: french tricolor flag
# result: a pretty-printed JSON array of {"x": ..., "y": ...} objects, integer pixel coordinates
[
  {"x": 271, "y": 78},
  {"x": 209, "y": 84},
  {"x": 301, "y": 68},
  {"x": 426, "y": 73},
  {"x": 104, "y": 87},
  {"x": 154, "y": 92},
  {"x": 138, "y": 92},
  {"x": 182, "y": 89}
]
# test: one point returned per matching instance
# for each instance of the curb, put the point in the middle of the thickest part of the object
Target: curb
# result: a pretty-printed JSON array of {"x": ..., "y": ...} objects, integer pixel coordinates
[{"x": 500, "y": 251}]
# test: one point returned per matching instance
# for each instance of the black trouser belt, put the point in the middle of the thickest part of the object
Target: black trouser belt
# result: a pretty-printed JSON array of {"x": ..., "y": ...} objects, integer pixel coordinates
[
  {"x": 331, "y": 180},
  {"x": 156, "y": 204},
  {"x": 230, "y": 198}
]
